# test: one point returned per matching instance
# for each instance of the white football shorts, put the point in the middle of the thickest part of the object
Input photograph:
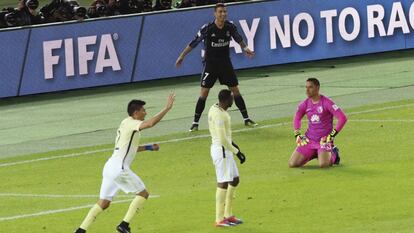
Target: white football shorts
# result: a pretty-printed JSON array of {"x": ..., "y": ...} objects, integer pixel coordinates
[
  {"x": 223, "y": 160},
  {"x": 115, "y": 178}
]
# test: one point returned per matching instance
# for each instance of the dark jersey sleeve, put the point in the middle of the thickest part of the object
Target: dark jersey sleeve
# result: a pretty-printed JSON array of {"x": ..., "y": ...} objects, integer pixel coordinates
[
  {"x": 201, "y": 35},
  {"x": 235, "y": 34}
]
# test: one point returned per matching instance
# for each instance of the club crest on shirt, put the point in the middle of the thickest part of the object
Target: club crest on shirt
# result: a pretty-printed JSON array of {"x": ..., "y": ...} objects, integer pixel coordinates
[
  {"x": 315, "y": 118},
  {"x": 228, "y": 34},
  {"x": 320, "y": 109}
]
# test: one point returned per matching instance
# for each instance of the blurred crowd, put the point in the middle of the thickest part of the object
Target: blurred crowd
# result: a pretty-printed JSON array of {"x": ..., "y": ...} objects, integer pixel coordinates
[{"x": 28, "y": 12}]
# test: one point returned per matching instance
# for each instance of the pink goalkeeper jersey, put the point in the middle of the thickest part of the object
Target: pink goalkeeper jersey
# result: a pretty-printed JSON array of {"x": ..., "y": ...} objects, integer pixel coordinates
[{"x": 320, "y": 117}]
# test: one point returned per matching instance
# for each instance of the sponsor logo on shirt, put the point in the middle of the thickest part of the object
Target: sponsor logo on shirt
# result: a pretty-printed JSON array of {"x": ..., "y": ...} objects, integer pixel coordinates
[
  {"x": 315, "y": 118},
  {"x": 220, "y": 44},
  {"x": 320, "y": 109}
]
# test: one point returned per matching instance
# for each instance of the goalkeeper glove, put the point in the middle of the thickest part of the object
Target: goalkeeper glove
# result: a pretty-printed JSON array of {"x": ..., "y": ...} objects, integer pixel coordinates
[
  {"x": 329, "y": 138},
  {"x": 241, "y": 157},
  {"x": 301, "y": 140}
]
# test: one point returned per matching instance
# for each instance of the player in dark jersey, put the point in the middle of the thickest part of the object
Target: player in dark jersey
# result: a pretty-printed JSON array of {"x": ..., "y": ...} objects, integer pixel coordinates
[{"x": 217, "y": 64}]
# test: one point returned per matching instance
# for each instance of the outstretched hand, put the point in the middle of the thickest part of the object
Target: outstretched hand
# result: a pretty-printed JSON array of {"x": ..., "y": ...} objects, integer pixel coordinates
[
  {"x": 170, "y": 101},
  {"x": 249, "y": 53},
  {"x": 179, "y": 61}
]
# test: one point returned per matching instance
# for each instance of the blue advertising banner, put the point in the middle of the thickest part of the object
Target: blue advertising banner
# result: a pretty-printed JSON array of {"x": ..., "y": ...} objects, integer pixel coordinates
[
  {"x": 145, "y": 47},
  {"x": 81, "y": 55},
  {"x": 279, "y": 32},
  {"x": 12, "y": 46}
]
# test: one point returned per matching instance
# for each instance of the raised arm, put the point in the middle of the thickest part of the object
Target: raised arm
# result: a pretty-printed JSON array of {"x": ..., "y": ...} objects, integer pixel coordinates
[
  {"x": 157, "y": 118},
  {"x": 201, "y": 35}
]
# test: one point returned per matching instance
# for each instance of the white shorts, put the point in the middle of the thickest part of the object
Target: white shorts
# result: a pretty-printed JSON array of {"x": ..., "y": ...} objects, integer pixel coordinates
[
  {"x": 115, "y": 179},
  {"x": 223, "y": 160}
]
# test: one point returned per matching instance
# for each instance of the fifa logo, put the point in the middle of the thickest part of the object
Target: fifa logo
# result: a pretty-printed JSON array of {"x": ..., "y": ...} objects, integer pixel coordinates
[{"x": 106, "y": 55}]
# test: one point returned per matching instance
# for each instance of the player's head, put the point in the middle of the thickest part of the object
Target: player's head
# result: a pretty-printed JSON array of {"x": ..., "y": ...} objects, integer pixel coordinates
[
  {"x": 220, "y": 12},
  {"x": 312, "y": 87},
  {"x": 225, "y": 98},
  {"x": 136, "y": 109}
]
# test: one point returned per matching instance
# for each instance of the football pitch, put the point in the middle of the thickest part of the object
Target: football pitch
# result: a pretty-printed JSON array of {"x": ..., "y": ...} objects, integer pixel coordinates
[{"x": 53, "y": 148}]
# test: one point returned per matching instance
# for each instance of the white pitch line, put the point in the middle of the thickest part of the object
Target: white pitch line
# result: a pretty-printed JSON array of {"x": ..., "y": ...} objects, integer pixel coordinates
[
  {"x": 54, "y": 195},
  {"x": 48, "y": 212},
  {"x": 160, "y": 142},
  {"x": 53, "y": 157},
  {"x": 381, "y": 109},
  {"x": 190, "y": 138}
]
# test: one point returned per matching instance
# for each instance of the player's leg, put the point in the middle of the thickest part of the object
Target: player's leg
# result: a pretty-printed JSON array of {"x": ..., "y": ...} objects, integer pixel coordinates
[
  {"x": 324, "y": 159},
  {"x": 297, "y": 160},
  {"x": 201, "y": 104},
  {"x": 233, "y": 173},
  {"x": 136, "y": 205},
  {"x": 328, "y": 155},
  {"x": 221, "y": 194},
  {"x": 208, "y": 78},
  {"x": 98, "y": 208},
  {"x": 228, "y": 77},
  {"x": 108, "y": 191},
  {"x": 241, "y": 105},
  {"x": 302, "y": 155},
  {"x": 223, "y": 178},
  {"x": 132, "y": 183},
  {"x": 230, "y": 196}
]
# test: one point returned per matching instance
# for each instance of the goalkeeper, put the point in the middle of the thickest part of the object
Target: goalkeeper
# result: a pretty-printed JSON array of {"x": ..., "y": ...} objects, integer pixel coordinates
[{"x": 318, "y": 141}]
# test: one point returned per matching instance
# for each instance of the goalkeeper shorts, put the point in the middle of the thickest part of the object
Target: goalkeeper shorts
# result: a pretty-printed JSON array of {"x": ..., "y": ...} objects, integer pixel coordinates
[{"x": 313, "y": 149}]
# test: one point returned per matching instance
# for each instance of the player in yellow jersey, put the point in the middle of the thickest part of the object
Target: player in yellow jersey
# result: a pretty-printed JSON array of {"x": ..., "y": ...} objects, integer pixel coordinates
[
  {"x": 117, "y": 174},
  {"x": 222, "y": 150}
]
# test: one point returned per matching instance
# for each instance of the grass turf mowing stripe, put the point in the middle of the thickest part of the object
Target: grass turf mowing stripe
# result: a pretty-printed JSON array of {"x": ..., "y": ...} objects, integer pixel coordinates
[
  {"x": 48, "y": 212},
  {"x": 194, "y": 137}
]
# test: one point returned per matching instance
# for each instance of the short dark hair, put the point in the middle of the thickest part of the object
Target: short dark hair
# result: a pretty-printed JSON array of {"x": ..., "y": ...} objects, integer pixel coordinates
[
  {"x": 134, "y": 105},
  {"x": 315, "y": 81},
  {"x": 218, "y": 5},
  {"x": 224, "y": 95}
]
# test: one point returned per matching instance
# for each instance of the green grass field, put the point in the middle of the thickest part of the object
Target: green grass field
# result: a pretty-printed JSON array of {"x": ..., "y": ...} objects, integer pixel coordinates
[{"x": 51, "y": 162}]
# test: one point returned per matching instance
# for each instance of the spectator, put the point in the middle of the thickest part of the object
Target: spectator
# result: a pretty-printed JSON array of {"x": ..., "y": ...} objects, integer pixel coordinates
[
  {"x": 27, "y": 9},
  {"x": 102, "y": 8},
  {"x": 185, "y": 4},
  {"x": 134, "y": 6},
  {"x": 163, "y": 5},
  {"x": 63, "y": 10}
]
